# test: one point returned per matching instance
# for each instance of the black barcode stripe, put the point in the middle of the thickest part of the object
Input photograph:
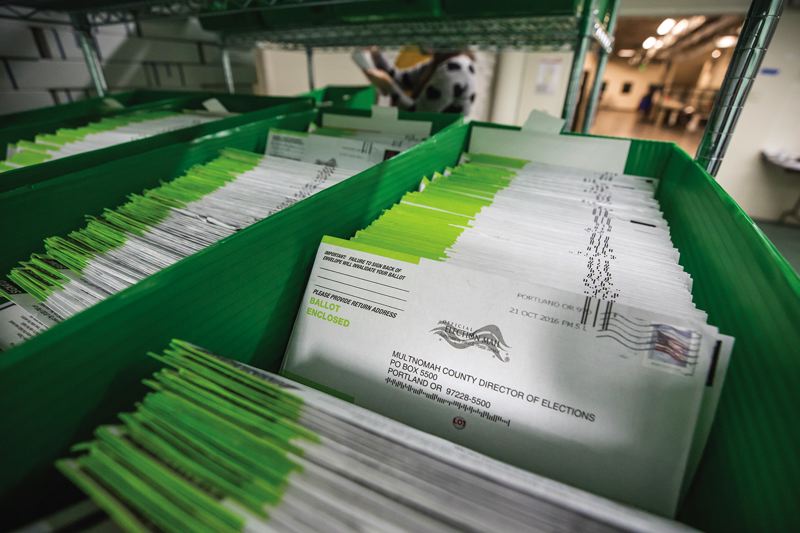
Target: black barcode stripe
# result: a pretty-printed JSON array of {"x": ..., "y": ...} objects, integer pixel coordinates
[
  {"x": 586, "y": 303},
  {"x": 607, "y": 318},
  {"x": 712, "y": 369}
]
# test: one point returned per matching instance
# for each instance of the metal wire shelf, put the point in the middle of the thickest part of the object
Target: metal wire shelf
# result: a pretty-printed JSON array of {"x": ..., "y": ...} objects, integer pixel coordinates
[
  {"x": 522, "y": 32},
  {"x": 99, "y": 13},
  {"x": 309, "y": 24},
  {"x": 559, "y": 31}
]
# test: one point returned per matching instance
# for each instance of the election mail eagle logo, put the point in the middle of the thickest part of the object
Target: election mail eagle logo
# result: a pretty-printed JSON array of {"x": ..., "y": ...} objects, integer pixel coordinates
[{"x": 461, "y": 337}]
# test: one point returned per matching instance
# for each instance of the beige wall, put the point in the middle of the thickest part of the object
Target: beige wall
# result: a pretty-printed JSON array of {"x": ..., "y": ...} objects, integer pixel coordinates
[
  {"x": 42, "y": 65},
  {"x": 284, "y": 73},
  {"x": 527, "y": 81},
  {"x": 719, "y": 67},
  {"x": 685, "y": 72},
  {"x": 713, "y": 72},
  {"x": 617, "y": 73},
  {"x": 770, "y": 120}
]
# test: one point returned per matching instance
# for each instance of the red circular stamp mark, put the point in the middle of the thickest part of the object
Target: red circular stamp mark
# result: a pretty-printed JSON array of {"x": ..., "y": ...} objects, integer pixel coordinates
[{"x": 459, "y": 423}]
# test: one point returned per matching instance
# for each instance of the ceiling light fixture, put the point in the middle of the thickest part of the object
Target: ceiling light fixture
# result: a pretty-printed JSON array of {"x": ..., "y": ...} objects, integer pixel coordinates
[
  {"x": 726, "y": 41},
  {"x": 626, "y": 52},
  {"x": 649, "y": 43},
  {"x": 680, "y": 27},
  {"x": 668, "y": 39},
  {"x": 659, "y": 44},
  {"x": 665, "y": 26},
  {"x": 716, "y": 53}
]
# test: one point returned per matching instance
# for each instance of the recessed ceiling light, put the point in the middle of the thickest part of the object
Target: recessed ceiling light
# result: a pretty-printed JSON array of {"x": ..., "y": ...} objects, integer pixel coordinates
[
  {"x": 716, "y": 53},
  {"x": 665, "y": 26},
  {"x": 649, "y": 43},
  {"x": 726, "y": 41},
  {"x": 680, "y": 27},
  {"x": 697, "y": 20},
  {"x": 626, "y": 52}
]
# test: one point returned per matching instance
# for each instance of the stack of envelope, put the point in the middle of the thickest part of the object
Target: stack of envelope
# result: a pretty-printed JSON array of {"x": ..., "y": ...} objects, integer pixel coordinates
[
  {"x": 536, "y": 313},
  {"x": 161, "y": 226},
  {"x": 101, "y": 134},
  {"x": 221, "y": 446}
]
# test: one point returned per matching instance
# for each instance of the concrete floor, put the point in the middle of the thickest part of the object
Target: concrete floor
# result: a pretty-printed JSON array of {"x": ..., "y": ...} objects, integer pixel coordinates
[{"x": 627, "y": 124}]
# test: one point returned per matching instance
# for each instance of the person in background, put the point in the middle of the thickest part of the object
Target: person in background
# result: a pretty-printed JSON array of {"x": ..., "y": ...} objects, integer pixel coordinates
[
  {"x": 445, "y": 83},
  {"x": 646, "y": 103}
]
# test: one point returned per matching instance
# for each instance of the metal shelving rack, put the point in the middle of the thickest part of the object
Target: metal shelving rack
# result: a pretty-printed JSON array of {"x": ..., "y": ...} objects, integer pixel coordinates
[
  {"x": 561, "y": 30},
  {"x": 759, "y": 26},
  {"x": 588, "y": 22}
]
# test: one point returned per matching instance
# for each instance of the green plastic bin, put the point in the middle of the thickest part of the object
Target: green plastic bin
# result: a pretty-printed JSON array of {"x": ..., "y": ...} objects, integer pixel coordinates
[
  {"x": 239, "y": 298},
  {"x": 51, "y": 203},
  {"x": 90, "y": 107},
  {"x": 251, "y": 108},
  {"x": 27, "y": 124},
  {"x": 104, "y": 378}
]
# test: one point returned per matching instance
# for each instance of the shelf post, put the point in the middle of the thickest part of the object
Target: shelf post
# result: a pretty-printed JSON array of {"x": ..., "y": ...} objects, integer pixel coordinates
[
  {"x": 89, "y": 48},
  {"x": 310, "y": 67},
  {"x": 578, "y": 59},
  {"x": 757, "y": 31},
  {"x": 602, "y": 60},
  {"x": 227, "y": 71}
]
